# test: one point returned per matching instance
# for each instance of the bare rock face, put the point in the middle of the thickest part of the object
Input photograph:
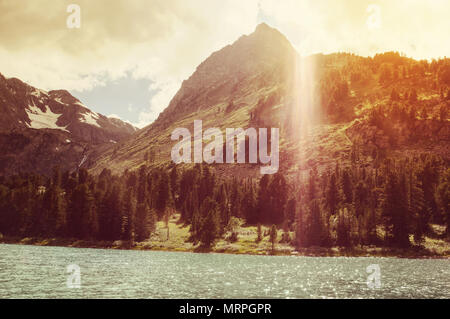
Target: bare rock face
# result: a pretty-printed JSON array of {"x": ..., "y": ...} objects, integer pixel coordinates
[
  {"x": 40, "y": 129},
  {"x": 233, "y": 69}
]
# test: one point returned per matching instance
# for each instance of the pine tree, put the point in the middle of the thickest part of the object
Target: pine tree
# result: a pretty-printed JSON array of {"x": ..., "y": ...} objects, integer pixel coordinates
[
  {"x": 163, "y": 199},
  {"x": 81, "y": 221},
  {"x": 417, "y": 209},
  {"x": 443, "y": 197},
  {"x": 273, "y": 237},
  {"x": 312, "y": 188},
  {"x": 144, "y": 222},
  {"x": 428, "y": 177},
  {"x": 395, "y": 210},
  {"x": 371, "y": 219},
  {"x": 259, "y": 233},
  {"x": 142, "y": 185},
  {"x": 300, "y": 229},
  {"x": 210, "y": 225},
  {"x": 128, "y": 216},
  {"x": 249, "y": 204},
  {"x": 332, "y": 195},
  {"x": 360, "y": 200},
  {"x": 343, "y": 229},
  {"x": 222, "y": 199},
  {"x": 347, "y": 187},
  {"x": 175, "y": 185},
  {"x": 264, "y": 204},
  {"x": 315, "y": 226},
  {"x": 235, "y": 199},
  {"x": 401, "y": 218},
  {"x": 291, "y": 211},
  {"x": 278, "y": 194},
  {"x": 194, "y": 230}
]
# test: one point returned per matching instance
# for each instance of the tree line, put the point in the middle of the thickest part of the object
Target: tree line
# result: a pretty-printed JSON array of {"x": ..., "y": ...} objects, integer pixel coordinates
[{"x": 391, "y": 204}]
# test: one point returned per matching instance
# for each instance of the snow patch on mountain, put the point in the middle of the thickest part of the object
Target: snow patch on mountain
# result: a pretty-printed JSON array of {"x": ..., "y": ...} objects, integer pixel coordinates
[
  {"x": 37, "y": 93},
  {"x": 90, "y": 118},
  {"x": 43, "y": 119},
  {"x": 57, "y": 99}
]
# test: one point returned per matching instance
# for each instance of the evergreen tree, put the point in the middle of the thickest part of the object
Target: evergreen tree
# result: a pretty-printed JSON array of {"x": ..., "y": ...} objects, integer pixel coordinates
[
  {"x": 314, "y": 230},
  {"x": 332, "y": 196},
  {"x": 175, "y": 185},
  {"x": 195, "y": 228},
  {"x": 278, "y": 198},
  {"x": 273, "y": 237},
  {"x": 259, "y": 233},
  {"x": 264, "y": 203},
  {"x": 128, "y": 216},
  {"x": 145, "y": 222},
  {"x": 417, "y": 210},
  {"x": 82, "y": 221},
  {"x": 249, "y": 205},
  {"x": 443, "y": 196},
  {"x": 347, "y": 187},
  {"x": 142, "y": 185},
  {"x": 395, "y": 210},
  {"x": 222, "y": 199},
  {"x": 291, "y": 211},
  {"x": 163, "y": 198},
  {"x": 343, "y": 229},
  {"x": 210, "y": 225},
  {"x": 312, "y": 188}
]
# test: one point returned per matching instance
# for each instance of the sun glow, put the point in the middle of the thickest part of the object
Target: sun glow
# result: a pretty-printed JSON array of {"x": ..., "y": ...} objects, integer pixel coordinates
[{"x": 306, "y": 110}]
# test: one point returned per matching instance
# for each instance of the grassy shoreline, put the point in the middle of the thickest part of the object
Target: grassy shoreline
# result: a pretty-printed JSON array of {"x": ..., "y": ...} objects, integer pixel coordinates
[
  {"x": 414, "y": 253},
  {"x": 246, "y": 244}
]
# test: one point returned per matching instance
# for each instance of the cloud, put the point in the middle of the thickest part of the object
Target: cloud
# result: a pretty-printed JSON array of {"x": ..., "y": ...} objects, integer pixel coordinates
[
  {"x": 159, "y": 40},
  {"x": 163, "y": 94},
  {"x": 164, "y": 40},
  {"x": 114, "y": 116},
  {"x": 341, "y": 25}
]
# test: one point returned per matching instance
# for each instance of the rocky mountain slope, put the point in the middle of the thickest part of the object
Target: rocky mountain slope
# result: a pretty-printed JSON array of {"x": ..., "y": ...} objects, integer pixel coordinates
[
  {"x": 40, "y": 129},
  {"x": 329, "y": 108}
]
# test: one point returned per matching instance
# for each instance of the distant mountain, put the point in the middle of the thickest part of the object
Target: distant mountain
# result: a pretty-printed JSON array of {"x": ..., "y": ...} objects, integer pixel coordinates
[
  {"x": 40, "y": 129},
  {"x": 329, "y": 108}
]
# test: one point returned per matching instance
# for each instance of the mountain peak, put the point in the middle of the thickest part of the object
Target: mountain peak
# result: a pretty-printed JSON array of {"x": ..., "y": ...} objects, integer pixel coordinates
[
  {"x": 265, "y": 51},
  {"x": 265, "y": 30},
  {"x": 263, "y": 27},
  {"x": 267, "y": 36}
]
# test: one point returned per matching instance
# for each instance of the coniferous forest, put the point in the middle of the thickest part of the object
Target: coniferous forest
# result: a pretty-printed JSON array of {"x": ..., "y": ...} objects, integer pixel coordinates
[{"x": 394, "y": 204}]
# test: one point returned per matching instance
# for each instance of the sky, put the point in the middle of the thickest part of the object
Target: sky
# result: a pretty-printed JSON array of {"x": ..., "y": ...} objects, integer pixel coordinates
[{"x": 128, "y": 58}]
